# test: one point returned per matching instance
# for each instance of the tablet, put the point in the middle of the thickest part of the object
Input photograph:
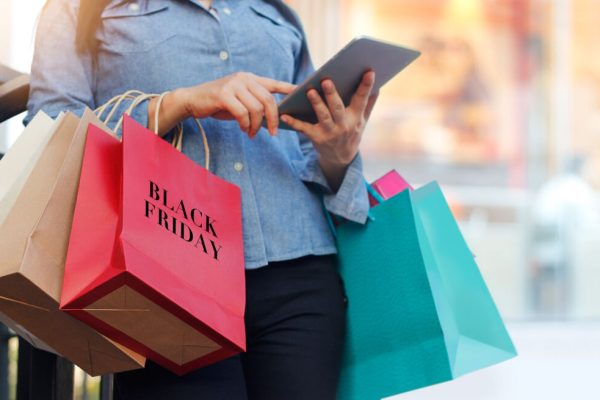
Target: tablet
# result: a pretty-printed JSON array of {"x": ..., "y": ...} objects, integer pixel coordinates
[{"x": 346, "y": 69}]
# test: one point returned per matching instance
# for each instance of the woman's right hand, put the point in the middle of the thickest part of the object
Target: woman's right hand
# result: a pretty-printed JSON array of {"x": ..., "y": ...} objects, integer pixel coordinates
[{"x": 242, "y": 96}]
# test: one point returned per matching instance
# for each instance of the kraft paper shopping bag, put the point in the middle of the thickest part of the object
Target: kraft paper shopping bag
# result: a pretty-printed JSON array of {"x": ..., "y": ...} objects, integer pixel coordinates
[{"x": 33, "y": 244}]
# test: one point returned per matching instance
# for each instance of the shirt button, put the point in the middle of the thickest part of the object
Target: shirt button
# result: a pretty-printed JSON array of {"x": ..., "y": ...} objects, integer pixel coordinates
[
  {"x": 227, "y": 11},
  {"x": 238, "y": 166},
  {"x": 134, "y": 6},
  {"x": 224, "y": 55}
]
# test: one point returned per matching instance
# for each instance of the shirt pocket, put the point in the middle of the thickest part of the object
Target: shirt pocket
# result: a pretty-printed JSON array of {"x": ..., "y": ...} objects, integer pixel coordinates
[
  {"x": 134, "y": 27},
  {"x": 280, "y": 31}
]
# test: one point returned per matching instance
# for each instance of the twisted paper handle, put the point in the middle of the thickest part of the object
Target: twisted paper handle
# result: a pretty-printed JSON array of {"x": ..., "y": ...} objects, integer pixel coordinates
[{"x": 138, "y": 97}]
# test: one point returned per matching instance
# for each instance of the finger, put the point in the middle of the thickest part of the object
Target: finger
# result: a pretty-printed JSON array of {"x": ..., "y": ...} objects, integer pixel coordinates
[
  {"x": 255, "y": 110},
  {"x": 275, "y": 86},
  {"x": 361, "y": 96},
  {"x": 269, "y": 106},
  {"x": 370, "y": 104},
  {"x": 239, "y": 112},
  {"x": 308, "y": 129},
  {"x": 334, "y": 101},
  {"x": 321, "y": 109}
]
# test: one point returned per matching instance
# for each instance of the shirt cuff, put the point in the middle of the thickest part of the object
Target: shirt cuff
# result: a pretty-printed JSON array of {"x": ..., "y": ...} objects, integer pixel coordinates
[{"x": 351, "y": 200}]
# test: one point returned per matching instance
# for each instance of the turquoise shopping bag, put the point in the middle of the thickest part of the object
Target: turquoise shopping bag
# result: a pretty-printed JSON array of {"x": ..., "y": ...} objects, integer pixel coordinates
[{"x": 419, "y": 312}]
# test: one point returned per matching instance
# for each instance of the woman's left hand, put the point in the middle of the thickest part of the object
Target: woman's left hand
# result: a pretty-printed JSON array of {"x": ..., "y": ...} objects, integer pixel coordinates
[{"x": 337, "y": 134}]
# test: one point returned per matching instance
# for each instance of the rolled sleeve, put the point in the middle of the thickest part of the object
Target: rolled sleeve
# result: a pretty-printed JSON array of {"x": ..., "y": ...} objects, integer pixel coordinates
[
  {"x": 350, "y": 201},
  {"x": 61, "y": 79}
]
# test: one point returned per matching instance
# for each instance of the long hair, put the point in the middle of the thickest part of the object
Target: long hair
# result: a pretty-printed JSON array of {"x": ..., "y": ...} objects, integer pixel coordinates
[{"x": 88, "y": 22}]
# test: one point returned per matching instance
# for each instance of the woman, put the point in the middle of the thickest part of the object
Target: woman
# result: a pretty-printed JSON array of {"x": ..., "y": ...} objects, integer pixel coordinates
[{"x": 225, "y": 62}]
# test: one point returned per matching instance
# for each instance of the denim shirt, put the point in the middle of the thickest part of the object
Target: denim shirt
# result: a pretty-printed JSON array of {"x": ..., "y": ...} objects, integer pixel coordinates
[{"x": 160, "y": 45}]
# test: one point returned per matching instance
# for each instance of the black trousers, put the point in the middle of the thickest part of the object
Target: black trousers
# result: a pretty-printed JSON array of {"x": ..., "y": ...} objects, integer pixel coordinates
[{"x": 295, "y": 325}]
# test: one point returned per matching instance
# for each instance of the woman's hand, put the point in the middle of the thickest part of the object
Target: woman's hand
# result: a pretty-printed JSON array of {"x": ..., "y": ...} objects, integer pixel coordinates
[
  {"x": 242, "y": 96},
  {"x": 337, "y": 135}
]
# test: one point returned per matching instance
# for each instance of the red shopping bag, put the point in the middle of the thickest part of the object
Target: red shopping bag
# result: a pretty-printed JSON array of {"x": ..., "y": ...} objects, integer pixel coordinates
[{"x": 155, "y": 259}]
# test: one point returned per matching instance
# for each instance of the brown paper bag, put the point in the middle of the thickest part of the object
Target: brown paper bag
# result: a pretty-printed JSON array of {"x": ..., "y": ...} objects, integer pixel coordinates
[
  {"x": 23, "y": 155},
  {"x": 33, "y": 242}
]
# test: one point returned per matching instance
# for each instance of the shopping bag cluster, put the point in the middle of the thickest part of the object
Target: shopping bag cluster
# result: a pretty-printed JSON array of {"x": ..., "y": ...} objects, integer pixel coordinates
[{"x": 113, "y": 251}]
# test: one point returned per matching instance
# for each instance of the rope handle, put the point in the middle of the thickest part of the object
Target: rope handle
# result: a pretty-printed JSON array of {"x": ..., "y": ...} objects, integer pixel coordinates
[
  {"x": 138, "y": 97},
  {"x": 178, "y": 139},
  {"x": 115, "y": 102}
]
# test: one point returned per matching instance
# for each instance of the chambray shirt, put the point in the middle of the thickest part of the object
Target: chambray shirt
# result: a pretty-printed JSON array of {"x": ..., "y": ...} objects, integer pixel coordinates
[{"x": 160, "y": 45}]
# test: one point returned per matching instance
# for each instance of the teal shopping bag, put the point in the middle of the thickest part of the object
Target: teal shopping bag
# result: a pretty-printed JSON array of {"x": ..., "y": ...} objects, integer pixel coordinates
[{"x": 419, "y": 312}]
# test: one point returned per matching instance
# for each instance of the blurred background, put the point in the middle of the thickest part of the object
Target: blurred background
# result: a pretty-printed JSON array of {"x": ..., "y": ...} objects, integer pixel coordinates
[{"x": 503, "y": 109}]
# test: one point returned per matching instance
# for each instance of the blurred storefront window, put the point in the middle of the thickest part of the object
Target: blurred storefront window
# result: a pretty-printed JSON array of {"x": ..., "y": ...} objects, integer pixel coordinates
[{"x": 503, "y": 109}]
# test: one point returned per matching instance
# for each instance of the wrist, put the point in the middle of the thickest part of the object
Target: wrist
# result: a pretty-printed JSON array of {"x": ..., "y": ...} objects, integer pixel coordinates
[
  {"x": 195, "y": 101},
  {"x": 334, "y": 172},
  {"x": 334, "y": 163},
  {"x": 181, "y": 99},
  {"x": 327, "y": 164},
  {"x": 172, "y": 110}
]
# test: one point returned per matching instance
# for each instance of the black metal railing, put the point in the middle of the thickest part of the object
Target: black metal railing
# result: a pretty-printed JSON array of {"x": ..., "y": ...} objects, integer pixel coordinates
[
  {"x": 5, "y": 336},
  {"x": 41, "y": 375}
]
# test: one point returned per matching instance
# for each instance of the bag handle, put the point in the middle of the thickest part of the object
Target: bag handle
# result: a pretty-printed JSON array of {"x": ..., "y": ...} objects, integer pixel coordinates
[
  {"x": 138, "y": 97},
  {"x": 136, "y": 101},
  {"x": 115, "y": 102},
  {"x": 379, "y": 198},
  {"x": 179, "y": 138}
]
